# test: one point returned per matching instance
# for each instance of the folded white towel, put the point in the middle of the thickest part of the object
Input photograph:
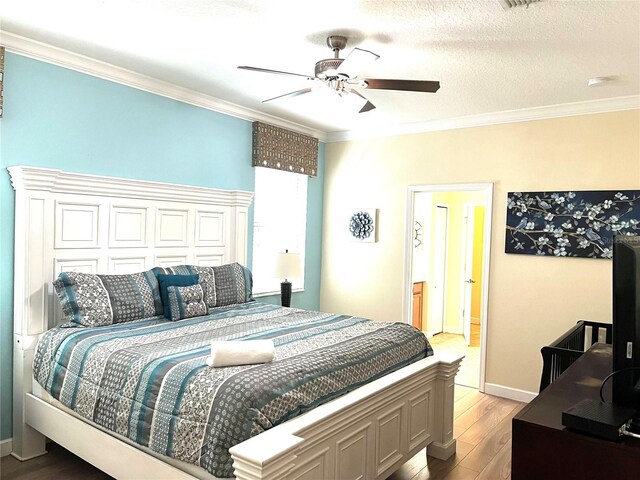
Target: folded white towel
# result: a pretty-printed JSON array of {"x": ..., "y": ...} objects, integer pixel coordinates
[{"x": 240, "y": 352}]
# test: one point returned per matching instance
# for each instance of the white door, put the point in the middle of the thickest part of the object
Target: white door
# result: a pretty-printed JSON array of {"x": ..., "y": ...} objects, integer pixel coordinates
[
  {"x": 467, "y": 279},
  {"x": 439, "y": 270}
]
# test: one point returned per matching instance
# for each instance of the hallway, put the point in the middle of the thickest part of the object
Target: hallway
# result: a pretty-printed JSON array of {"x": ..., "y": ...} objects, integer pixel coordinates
[{"x": 469, "y": 374}]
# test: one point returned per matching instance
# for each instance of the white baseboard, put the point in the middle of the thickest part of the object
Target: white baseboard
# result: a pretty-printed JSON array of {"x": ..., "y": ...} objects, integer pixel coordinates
[
  {"x": 508, "y": 392},
  {"x": 5, "y": 447}
]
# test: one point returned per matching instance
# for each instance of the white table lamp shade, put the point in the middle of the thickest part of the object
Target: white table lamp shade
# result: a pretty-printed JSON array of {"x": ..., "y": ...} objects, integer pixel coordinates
[{"x": 289, "y": 266}]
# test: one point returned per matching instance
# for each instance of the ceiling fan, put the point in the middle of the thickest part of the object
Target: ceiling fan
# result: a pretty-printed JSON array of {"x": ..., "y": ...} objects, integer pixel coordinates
[{"x": 341, "y": 75}]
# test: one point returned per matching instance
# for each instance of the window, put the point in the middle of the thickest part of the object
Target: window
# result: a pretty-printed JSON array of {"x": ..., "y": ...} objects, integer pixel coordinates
[{"x": 279, "y": 224}]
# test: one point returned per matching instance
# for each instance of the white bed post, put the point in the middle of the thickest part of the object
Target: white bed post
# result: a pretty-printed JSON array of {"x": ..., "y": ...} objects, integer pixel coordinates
[
  {"x": 30, "y": 305},
  {"x": 269, "y": 456},
  {"x": 27, "y": 443},
  {"x": 444, "y": 445}
]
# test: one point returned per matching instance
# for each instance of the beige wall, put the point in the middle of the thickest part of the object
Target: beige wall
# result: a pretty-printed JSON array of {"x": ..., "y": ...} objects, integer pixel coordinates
[{"x": 532, "y": 299}]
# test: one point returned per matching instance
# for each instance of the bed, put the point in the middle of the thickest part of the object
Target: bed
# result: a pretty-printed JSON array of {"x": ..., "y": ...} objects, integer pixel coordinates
[{"x": 71, "y": 222}]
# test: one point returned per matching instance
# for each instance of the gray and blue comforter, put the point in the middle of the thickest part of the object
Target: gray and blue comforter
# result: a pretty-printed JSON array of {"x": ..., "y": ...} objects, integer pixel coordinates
[{"x": 148, "y": 380}]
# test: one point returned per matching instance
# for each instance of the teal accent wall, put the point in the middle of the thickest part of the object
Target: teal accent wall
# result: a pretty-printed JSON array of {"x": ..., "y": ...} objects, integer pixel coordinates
[{"x": 59, "y": 118}]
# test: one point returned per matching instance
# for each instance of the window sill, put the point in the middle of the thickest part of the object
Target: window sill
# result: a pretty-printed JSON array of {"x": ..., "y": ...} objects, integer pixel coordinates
[{"x": 275, "y": 292}]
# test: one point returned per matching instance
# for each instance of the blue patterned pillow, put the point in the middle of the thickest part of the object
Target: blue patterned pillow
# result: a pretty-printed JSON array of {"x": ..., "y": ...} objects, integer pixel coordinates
[
  {"x": 234, "y": 284},
  {"x": 185, "y": 302},
  {"x": 97, "y": 300},
  {"x": 165, "y": 281},
  {"x": 205, "y": 279}
]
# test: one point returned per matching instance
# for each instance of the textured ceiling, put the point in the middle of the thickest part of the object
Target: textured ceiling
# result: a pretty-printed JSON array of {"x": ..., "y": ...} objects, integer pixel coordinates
[{"x": 487, "y": 59}]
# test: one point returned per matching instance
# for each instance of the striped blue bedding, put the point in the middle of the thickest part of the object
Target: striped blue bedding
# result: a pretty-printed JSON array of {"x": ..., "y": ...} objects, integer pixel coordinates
[{"x": 148, "y": 380}]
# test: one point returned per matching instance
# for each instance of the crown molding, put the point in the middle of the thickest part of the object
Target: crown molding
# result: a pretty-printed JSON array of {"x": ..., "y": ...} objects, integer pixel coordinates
[
  {"x": 58, "y": 181},
  {"x": 64, "y": 58},
  {"x": 631, "y": 102},
  {"x": 57, "y": 56}
]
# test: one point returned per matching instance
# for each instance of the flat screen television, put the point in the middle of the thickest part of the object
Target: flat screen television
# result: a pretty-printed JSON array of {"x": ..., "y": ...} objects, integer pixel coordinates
[{"x": 626, "y": 321}]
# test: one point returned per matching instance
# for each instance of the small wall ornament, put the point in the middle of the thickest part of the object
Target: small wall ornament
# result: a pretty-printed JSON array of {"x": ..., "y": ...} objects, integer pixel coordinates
[
  {"x": 362, "y": 224},
  {"x": 417, "y": 237}
]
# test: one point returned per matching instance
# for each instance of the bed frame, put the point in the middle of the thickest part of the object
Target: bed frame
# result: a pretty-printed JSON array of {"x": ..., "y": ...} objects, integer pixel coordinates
[{"x": 67, "y": 221}]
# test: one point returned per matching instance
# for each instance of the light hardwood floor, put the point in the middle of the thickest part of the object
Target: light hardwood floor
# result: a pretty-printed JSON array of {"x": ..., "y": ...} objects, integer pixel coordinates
[
  {"x": 58, "y": 464},
  {"x": 482, "y": 427}
]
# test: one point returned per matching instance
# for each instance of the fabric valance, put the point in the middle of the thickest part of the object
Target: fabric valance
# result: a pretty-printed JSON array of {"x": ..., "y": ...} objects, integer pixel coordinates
[{"x": 282, "y": 149}]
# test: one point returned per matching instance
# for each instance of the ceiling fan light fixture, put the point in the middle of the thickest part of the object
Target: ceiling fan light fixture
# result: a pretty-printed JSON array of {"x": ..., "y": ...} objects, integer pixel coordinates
[
  {"x": 327, "y": 67},
  {"x": 336, "y": 78}
]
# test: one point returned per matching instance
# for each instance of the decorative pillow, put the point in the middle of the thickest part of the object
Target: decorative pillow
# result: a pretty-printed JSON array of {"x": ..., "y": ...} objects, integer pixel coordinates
[
  {"x": 97, "y": 300},
  {"x": 234, "y": 284},
  {"x": 185, "y": 302},
  {"x": 167, "y": 281},
  {"x": 205, "y": 278},
  {"x": 84, "y": 299}
]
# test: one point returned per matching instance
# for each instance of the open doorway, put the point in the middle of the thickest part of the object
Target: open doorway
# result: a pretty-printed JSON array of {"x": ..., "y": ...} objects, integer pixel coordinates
[{"x": 447, "y": 270}]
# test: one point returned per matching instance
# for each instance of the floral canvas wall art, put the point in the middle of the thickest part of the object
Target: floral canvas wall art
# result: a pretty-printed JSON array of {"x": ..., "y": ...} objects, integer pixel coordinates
[{"x": 570, "y": 223}]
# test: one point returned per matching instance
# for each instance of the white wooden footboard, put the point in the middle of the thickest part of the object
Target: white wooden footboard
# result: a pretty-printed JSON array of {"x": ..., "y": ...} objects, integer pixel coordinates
[{"x": 367, "y": 433}]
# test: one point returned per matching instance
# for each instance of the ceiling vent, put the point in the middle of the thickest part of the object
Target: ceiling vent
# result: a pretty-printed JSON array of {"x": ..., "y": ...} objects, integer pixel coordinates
[{"x": 507, "y": 4}]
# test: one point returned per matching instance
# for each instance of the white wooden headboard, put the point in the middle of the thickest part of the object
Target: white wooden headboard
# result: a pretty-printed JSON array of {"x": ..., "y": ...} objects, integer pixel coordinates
[{"x": 67, "y": 221}]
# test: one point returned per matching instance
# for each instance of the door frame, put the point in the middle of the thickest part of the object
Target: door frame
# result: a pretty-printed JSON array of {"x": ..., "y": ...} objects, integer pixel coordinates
[{"x": 407, "y": 289}]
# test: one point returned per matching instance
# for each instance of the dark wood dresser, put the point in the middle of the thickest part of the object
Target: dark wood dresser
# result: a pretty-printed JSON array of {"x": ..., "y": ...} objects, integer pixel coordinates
[{"x": 543, "y": 449}]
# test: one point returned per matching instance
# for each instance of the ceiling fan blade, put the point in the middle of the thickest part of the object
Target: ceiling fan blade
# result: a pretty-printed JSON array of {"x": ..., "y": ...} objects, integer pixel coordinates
[
  {"x": 290, "y": 94},
  {"x": 408, "y": 85},
  {"x": 266, "y": 70},
  {"x": 367, "y": 106},
  {"x": 357, "y": 61}
]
